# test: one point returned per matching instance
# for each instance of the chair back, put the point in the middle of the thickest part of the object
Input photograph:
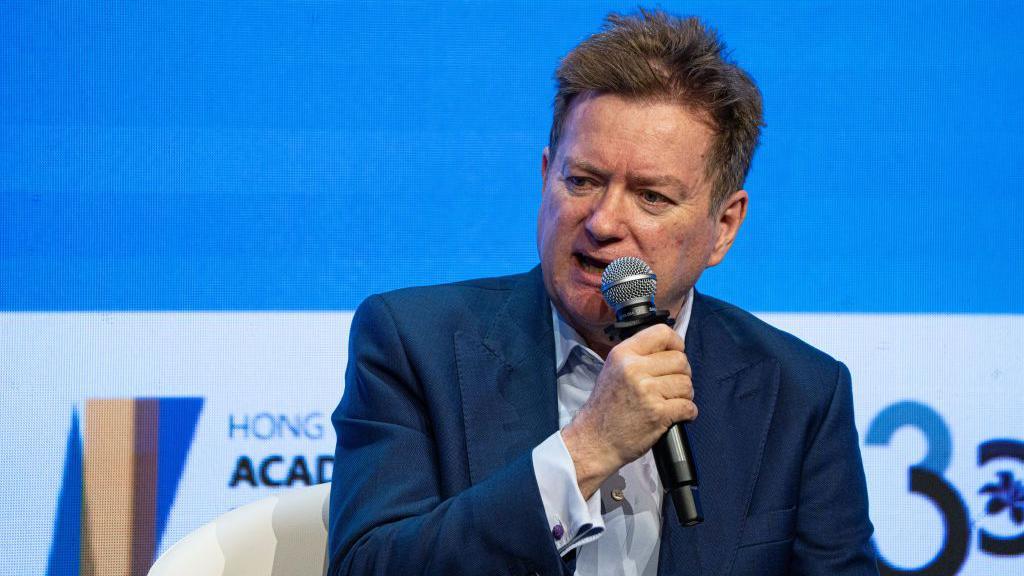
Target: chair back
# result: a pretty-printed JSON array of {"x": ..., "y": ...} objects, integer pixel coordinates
[{"x": 283, "y": 535}]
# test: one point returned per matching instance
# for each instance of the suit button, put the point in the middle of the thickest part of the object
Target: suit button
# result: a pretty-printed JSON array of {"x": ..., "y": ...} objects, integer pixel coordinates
[{"x": 618, "y": 495}]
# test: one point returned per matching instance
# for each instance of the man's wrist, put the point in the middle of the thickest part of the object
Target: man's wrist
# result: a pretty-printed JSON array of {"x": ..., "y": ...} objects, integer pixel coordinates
[{"x": 591, "y": 459}]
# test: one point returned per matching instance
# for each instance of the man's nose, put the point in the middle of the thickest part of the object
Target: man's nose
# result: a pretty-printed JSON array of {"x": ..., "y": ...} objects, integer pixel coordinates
[{"x": 606, "y": 222}]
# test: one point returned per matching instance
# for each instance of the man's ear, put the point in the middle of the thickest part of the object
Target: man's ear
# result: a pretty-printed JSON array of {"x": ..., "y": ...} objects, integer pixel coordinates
[
  {"x": 727, "y": 224},
  {"x": 545, "y": 159}
]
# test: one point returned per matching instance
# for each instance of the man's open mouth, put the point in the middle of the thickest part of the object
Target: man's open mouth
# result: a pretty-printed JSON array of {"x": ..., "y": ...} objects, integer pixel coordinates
[{"x": 590, "y": 264}]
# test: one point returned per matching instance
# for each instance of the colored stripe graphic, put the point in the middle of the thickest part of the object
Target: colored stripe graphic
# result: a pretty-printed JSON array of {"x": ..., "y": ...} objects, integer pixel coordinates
[
  {"x": 121, "y": 472},
  {"x": 108, "y": 464},
  {"x": 144, "y": 481}
]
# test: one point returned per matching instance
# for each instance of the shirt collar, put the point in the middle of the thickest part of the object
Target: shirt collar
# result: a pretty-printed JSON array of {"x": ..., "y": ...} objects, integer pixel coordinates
[{"x": 566, "y": 337}]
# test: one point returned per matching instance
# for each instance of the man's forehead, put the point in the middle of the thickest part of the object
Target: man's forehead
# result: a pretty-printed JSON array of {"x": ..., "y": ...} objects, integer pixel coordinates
[
  {"x": 587, "y": 100},
  {"x": 651, "y": 142}
]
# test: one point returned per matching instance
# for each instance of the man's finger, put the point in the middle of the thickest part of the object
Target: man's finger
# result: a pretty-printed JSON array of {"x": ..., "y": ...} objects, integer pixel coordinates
[
  {"x": 680, "y": 410},
  {"x": 654, "y": 339},
  {"x": 673, "y": 386},
  {"x": 667, "y": 362}
]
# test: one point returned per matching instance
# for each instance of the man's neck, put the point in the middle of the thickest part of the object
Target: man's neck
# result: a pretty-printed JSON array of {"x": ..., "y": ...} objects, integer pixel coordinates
[{"x": 599, "y": 343}]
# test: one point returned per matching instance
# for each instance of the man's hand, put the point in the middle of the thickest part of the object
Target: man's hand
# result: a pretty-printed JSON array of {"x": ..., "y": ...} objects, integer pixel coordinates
[{"x": 643, "y": 389}]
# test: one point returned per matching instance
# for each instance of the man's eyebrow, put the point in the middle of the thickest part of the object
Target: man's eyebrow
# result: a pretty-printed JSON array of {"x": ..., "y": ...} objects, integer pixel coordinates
[
  {"x": 585, "y": 166},
  {"x": 637, "y": 181}
]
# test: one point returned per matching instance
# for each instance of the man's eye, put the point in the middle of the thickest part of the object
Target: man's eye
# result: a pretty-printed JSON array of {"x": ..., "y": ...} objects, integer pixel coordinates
[
  {"x": 576, "y": 182},
  {"x": 651, "y": 197}
]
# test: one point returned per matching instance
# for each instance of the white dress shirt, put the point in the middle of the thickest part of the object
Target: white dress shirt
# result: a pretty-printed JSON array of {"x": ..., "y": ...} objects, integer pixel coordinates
[{"x": 617, "y": 531}]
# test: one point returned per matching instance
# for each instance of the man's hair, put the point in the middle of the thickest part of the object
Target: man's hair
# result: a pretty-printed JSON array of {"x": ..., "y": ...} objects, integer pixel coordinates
[{"x": 653, "y": 55}]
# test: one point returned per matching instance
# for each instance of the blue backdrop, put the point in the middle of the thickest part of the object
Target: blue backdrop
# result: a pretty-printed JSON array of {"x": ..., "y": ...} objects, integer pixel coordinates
[{"x": 264, "y": 156}]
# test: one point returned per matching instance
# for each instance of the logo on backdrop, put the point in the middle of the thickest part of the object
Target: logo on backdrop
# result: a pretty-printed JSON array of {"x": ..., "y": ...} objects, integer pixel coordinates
[
  {"x": 279, "y": 470},
  {"x": 122, "y": 466},
  {"x": 1005, "y": 493}
]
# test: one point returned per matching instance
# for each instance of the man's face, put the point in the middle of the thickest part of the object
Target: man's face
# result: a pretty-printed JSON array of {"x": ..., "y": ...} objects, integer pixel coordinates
[{"x": 628, "y": 180}]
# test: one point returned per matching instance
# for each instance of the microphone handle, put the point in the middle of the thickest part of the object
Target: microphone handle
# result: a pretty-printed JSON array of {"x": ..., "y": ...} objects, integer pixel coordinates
[{"x": 672, "y": 452}]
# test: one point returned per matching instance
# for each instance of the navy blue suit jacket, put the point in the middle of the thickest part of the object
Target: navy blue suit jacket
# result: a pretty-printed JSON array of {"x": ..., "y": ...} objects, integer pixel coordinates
[{"x": 449, "y": 389}]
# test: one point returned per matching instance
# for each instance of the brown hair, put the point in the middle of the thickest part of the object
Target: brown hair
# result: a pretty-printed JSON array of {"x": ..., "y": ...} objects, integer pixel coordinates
[{"x": 656, "y": 55}]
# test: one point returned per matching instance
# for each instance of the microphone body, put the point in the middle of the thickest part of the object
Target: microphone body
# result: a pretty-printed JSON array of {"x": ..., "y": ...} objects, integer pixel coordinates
[{"x": 672, "y": 452}]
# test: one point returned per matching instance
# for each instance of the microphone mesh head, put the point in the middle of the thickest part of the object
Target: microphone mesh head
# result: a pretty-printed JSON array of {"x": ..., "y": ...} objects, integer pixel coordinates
[{"x": 627, "y": 279}]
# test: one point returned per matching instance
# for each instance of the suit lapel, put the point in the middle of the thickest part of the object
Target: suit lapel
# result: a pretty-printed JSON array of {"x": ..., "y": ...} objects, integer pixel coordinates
[
  {"x": 735, "y": 390},
  {"x": 507, "y": 380}
]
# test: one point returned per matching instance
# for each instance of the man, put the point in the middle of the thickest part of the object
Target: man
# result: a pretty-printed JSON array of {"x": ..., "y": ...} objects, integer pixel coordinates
[{"x": 490, "y": 427}]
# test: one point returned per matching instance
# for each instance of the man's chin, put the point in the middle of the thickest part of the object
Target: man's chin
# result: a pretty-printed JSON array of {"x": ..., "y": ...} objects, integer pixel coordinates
[{"x": 588, "y": 311}]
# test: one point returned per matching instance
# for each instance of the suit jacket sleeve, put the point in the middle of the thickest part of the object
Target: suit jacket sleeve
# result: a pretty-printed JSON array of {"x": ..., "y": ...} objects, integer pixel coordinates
[
  {"x": 833, "y": 532},
  {"x": 388, "y": 513}
]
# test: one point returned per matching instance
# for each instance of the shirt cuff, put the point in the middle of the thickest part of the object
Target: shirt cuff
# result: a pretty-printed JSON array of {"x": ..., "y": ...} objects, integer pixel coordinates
[{"x": 573, "y": 521}]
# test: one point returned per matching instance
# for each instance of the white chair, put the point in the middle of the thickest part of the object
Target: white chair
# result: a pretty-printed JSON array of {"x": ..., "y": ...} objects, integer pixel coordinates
[{"x": 284, "y": 535}]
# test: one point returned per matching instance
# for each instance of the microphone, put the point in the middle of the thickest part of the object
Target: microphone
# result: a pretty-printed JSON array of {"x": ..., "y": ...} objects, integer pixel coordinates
[{"x": 628, "y": 285}]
